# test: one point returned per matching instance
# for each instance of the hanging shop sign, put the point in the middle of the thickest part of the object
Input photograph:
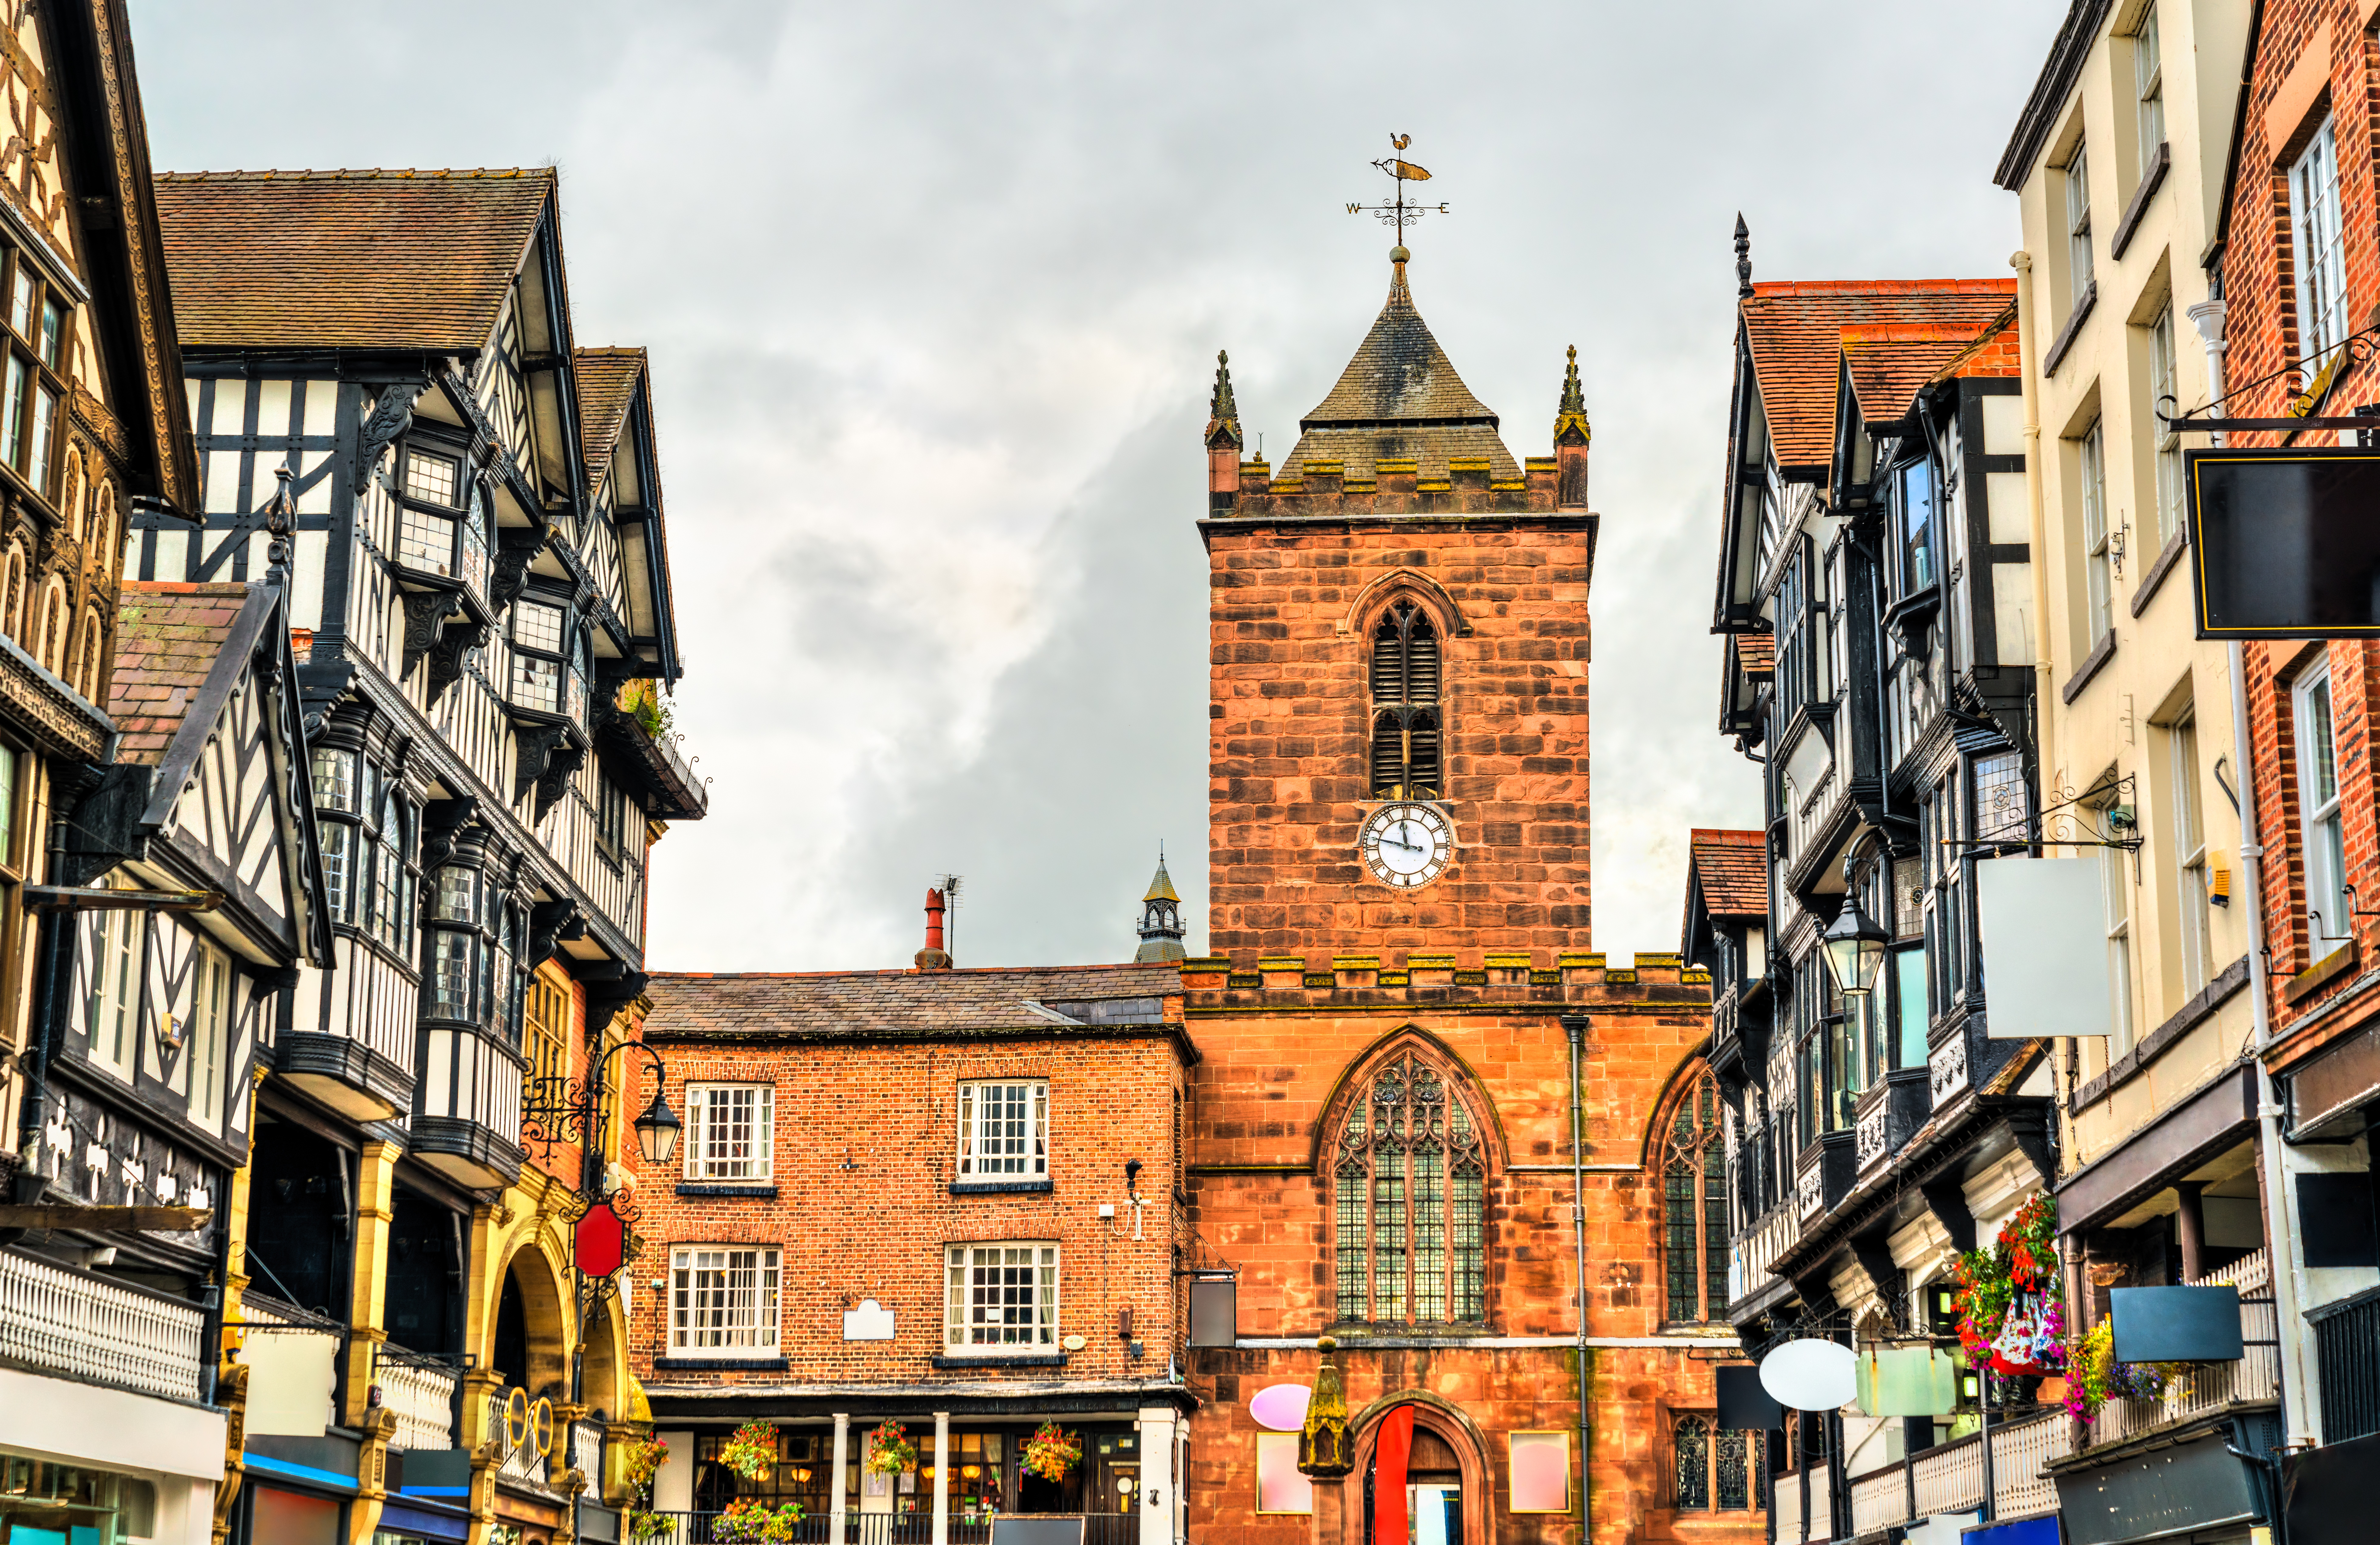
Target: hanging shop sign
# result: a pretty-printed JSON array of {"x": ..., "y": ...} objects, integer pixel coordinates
[{"x": 2283, "y": 542}]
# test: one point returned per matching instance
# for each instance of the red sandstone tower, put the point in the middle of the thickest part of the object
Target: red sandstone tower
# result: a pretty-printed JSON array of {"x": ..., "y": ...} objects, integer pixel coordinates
[
  {"x": 1381, "y": 1118},
  {"x": 1399, "y": 621}
]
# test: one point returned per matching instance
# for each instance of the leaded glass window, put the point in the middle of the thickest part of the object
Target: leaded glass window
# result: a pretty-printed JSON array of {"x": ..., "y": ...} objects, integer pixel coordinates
[
  {"x": 1695, "y": 1205},
  {"x": 1694, "y": 1455},
  {"x": 1411, "y": 1174}
]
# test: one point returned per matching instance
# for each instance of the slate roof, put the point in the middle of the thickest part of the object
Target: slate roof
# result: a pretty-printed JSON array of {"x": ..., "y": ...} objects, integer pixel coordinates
[
  {"x": 1161, "y": 888},
  {"x": 393, "y": 258},
  {"x": 836, "y": 1005},
  {"x": 1889, "y": 363},
  {"x": 1731, "y": 868},
  {"x": 167, "y": 638},
  {"x": 607, "y": 384},
  {"x": 1400, "y": 398},
  {"x": 1795, "y": 331}
]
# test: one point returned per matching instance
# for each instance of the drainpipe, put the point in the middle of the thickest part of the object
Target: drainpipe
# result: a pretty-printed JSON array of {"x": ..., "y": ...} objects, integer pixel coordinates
[
  {"x": 1574, "y": 1025},
  {"x": 2273, "y": 1180}
]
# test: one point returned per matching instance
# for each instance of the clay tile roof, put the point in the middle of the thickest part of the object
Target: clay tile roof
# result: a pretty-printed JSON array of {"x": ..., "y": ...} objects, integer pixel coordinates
[
  {"x": 1400, "y": 398},
  {"x": 1888, "y": 363},
  {"x": 1756, "y": 655},
  {"x": 1732, "y": 867},
  {"x": 346, "y": 260},
  {"x": 167, "y": 637},
  {"x": 921, "y": 1004},
  {"x": 607, "y": 384},
  {"x": 1795, "y": 333}
]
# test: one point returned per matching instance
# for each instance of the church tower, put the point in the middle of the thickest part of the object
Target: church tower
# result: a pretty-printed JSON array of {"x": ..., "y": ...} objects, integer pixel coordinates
[{"x": 1398, "y": 753}]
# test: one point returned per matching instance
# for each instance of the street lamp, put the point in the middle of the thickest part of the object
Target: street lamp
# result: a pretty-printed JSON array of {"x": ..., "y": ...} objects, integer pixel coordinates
[
  {"x": 657, "y": 1131},
  {"x": 1854, "y": 944}
]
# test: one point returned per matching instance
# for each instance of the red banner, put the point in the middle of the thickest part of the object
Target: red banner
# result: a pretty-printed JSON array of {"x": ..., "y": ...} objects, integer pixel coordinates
[{"x": 1389, "y": 1457}]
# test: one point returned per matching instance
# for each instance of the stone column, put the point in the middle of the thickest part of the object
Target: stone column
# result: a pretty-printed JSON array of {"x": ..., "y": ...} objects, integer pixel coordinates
[
  {"x": 942, "y": 1477},
  {"x": 1158, "y": 1481},
  {"x": 1330, "y": 1511},
  {"x": 368, "y": 1328},
  {"x": 837, "y": 1503}
]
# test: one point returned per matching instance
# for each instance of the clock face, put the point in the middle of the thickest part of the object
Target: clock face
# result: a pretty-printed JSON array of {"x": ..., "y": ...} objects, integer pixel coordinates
[{"x": 1406, "y": 845}]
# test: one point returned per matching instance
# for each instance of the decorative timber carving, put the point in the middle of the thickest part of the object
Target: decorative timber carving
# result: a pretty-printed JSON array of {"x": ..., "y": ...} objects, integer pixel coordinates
[
  {"x": 550, "y": 922},
  {"x": 561, "y": 766},
  {"x": 424, "y": 611},
  {"x": 536, "y": 746},
  {"x": 516, "y": 549},
  {"x": 454, "y": 642},
  {"x": 391, "y": 412}
]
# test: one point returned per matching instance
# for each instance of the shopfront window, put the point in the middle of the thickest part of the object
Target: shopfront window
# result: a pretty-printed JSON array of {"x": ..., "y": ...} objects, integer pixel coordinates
[
  {"x": 72, "y": 1505},
  {"x": 804, "y": 1473}
]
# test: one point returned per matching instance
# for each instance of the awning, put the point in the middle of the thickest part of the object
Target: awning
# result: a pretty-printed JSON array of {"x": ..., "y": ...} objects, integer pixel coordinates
[
  {"x": 2024, "y": 1531},
  {"x": 425, "y": 1522},
  {"x": 2328, "y": 1090},
  {"x": 2159, "y": 1492},
  {"x": 2217, "y": 1116}
]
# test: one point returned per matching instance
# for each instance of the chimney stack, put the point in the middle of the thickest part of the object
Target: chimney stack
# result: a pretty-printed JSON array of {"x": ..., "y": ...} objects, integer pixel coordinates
[{"x": 933, "y": 958}]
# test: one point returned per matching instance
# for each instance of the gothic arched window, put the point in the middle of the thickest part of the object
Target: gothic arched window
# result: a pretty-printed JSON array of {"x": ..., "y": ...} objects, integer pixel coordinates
[
  {"x": 1717, "y": 1468},
  {"x": 1406, "y": 751},
  {"x": 1411, "y": 1173},
  {"x": 1694, "y": 1195}
]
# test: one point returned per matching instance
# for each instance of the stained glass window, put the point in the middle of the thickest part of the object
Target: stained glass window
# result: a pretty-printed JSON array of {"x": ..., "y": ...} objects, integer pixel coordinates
[
  {"x": 1734, "y": 1487},
  {"x": 1411, "y": 1207},
  {"x": 1693, "y": 1465},
  {"x": 1695, "y": 1205}
]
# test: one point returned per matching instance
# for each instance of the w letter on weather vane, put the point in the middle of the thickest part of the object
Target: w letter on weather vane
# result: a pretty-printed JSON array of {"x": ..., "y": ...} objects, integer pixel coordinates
[{"x": 1400, "y": 212}]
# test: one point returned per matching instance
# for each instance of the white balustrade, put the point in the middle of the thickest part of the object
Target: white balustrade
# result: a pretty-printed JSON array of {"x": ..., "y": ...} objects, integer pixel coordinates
[
  {"x": 2019, "y": 1452},
  {"x": 77, "y": 1323},
  {"x": 1822, "y": 1503},
  {"x": 1785, "y": 1507},
  {"x": 1949, "y": 1479},
  {"x": 524, "y": 1463},
  {"x": 586, "y": 1452},
  {"x": 1880, "y": 1500},
  {"x": 2206, "y": 1387},
  {"x": 422, "y": 1396}
]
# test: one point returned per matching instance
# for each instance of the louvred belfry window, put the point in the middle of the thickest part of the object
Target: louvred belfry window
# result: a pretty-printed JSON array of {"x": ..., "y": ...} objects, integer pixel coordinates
[
  {"x": 1411, "y": 1177},
  {"x": 1406, "y": 762},
  {"x": 1694, "y": 1197}
]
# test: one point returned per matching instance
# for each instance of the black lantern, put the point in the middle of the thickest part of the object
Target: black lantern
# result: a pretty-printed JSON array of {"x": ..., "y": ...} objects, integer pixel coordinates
[
  {"x": 657, "y": 1131},
  {"x": 1854, "y": 944}
]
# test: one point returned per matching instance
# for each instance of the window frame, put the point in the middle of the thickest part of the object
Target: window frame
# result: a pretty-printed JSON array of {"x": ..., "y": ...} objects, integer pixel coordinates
[
  {"x": 458, "y": 556},
  {"x": 971, "y": 1112},
  {"x": 2098, "y": 536},
  {"x": 117, "y": 939},
  {"x": 2320, "y": 818},
  {"x": 2190, "y": 855},
  {"x": 1750, "y": 1458},
  {"x": 2148, "y": 88},
  {"x": 1360, "y": 1203},
  {"x": 569, "y": 657},
  {"x": 2318, "y": 243},
  {"x": 211, "y": 1023},
  {"x": 2165, "y": 440},
  {"x": 2116, "y": 917},
  {"x": 2081, "y": 266},
  {"x": 44, "y": 377},
  {"x": 1403, "y": 623},
  {"x": 759, "y": 1167},
  {"x": 1699, "y": 1226},
  {"x": 766, "y": 1311},
  {"x": 961, "y": 1297}
]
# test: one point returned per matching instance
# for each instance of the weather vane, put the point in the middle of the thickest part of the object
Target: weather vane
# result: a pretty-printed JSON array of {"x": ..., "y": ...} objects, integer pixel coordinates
[{"x": 1400, "y": 212}]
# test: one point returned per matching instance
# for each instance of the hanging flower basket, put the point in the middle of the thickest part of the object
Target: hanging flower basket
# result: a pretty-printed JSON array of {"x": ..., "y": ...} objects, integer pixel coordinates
[
  {"x": 751, "y": 1451},
  {"x": 2094, "y": 1377},
  {"x": 640, "y": 1461},
  {"x": 890, "y": 1452},
  {"x": 2011, "y": 1320},
  {"x": 1050, "y": 1453},
  {"x": 757, "y": 1521}
]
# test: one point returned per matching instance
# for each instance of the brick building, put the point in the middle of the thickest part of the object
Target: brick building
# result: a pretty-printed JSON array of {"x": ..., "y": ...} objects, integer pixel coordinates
[
  {"x": 985, "y": 1166},
  {"x": 2299, "y": 256}
]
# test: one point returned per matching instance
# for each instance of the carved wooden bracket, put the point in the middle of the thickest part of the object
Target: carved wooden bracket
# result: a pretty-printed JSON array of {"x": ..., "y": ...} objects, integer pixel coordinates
[
  {"x": 537, "y": 743},
  {"x": 561, "y": 766},
  {"x": 424, "y": 611},
  {"x": 455, "y": 641},
  {"x": 515, "y": 550},
  {"x": 391, "y": 412}
]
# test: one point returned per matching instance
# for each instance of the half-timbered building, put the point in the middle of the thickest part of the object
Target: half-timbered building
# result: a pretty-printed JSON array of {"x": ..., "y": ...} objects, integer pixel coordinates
[
  {"x": 122, "y": 1095},
  {"x": 1874, "y": 592},
  {"x": 482, "y": 603}
]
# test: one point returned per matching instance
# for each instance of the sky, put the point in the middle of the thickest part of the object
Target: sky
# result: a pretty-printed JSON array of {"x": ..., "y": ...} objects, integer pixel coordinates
[{"x": 933, "y": 292}]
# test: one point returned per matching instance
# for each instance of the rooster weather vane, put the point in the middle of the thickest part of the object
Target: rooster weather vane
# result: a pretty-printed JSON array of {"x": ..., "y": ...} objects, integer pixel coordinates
[{"x": 1398, "y": 214}]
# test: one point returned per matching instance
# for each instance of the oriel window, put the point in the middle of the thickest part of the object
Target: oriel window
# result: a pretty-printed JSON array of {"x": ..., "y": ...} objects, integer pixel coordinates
[
  {"x": 1410, "y": 1175},
  {"x": 1406, "y": 728},
  {"x": 550, "y": 658},
  {"x": 441, "y": 519}
]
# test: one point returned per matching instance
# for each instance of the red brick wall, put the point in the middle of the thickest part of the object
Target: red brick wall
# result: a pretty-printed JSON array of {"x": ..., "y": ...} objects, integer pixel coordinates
[
  {"x": 1273, "y": 1062},
  {"x": 865, "y": 1142},
  {"x": 1289, "y": 718},
  {"x": 2312, "y": 56}
]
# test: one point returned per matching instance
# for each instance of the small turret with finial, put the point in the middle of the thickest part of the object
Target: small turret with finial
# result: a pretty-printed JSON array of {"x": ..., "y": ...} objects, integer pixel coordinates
[
  {"x": 1222, "y": 413},
  {"x": 1742, "y": 257}
]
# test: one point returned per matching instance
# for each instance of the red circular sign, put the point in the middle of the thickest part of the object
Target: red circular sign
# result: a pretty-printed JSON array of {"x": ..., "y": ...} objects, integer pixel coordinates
[{"x": 600, "y": 1242}]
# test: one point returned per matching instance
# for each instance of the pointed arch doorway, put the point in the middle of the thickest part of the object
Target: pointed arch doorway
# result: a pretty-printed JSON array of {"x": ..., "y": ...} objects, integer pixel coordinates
[{"x": 1426, "y": 1456}]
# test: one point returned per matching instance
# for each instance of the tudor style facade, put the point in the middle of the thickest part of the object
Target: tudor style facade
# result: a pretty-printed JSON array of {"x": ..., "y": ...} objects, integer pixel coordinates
[
  {"x": 481, "y": 598},
  {"x": 104, "y": 1317},
  {"x": 1875, "y": 589}
]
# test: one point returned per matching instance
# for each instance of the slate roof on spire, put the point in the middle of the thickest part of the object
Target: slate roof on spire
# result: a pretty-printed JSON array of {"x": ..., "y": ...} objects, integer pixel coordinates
[
  {"x": 1161, "y": 888},
  {"x": 1400, "y": 398}
]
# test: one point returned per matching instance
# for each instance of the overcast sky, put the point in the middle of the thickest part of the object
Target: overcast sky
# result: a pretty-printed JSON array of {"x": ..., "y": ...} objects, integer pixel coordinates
[{"x": 934, "y": 292}]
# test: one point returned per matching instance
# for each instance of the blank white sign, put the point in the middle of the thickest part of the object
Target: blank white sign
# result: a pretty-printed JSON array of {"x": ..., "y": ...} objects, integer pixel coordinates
[{"x": 2045, "y": 947}]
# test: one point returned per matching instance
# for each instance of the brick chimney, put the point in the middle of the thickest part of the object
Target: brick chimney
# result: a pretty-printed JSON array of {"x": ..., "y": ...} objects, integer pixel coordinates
[{"x": 933, "y": 958}]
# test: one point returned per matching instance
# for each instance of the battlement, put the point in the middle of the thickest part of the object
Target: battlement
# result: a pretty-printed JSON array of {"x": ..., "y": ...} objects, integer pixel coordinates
[
  {"x": 1431, "y": 977},
  {"x": 1249, "y": 491}
]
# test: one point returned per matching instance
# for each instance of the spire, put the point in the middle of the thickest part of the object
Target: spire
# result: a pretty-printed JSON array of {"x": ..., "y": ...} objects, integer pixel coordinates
[
  {"x": 1742, "y": 257},
  {"x": 1160, "y": 918},
  {"x": 1222, "y": 413},
  {"x": 1571, "y": 414}
]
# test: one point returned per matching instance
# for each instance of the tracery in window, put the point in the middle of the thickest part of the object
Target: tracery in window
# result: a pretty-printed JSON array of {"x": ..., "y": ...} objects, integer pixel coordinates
[
  {"x": 1406, "y": 751},
  {"x": 1694, "y": 1464},
  {"x": 1694, "y": 1204},
  {"x": 1411, "y": 1174},
  {"x": 1715, "y": 1467}
]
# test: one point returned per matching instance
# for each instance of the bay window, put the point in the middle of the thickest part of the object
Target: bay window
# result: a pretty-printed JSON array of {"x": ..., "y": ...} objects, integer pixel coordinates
[
  {"x": 476, "y": 933},
  {"x": 441, "y": 519},
  {"x": 30, "y": 387},
  {"x": 550, "y": 663}
]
